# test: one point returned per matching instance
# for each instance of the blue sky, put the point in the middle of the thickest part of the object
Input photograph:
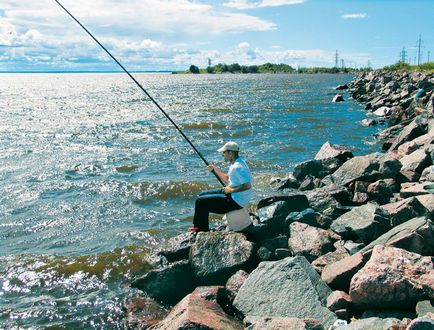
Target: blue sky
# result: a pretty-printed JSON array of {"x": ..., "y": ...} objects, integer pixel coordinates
[{"x": 171, "y": 35}]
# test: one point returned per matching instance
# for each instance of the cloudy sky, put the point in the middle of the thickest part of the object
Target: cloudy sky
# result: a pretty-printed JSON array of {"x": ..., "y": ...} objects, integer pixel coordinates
[{"x": 172, "y": 34}]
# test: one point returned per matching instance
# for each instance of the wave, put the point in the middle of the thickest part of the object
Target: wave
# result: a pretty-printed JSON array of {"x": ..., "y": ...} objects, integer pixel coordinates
[
  {"x": 151, "y": 191},
  {"x": 204, "y": 126}
]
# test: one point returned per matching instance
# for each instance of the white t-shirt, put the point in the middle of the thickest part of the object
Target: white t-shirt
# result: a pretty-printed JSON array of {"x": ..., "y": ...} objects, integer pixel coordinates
[{"x": 239, "y": 173}]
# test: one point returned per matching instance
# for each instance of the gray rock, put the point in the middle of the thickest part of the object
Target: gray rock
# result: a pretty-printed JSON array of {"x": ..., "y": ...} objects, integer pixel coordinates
[
  {"x": 329, "y": 258},
  {"x": 415, "y": 235},
  {"x": 264, "y": 253},
  {"x": 278, "y": 288},
  {"x": 283, "y": 323},
  {"x": 234, "y": 284},
  {"x": 308, "y": 241},
  {"x": 281, "y": 253},
  {"x": 366, "y": 222},
  {"x": 417, "y": 161},
  {"x": 338, "y": 300},
  {"x": 169, "y": 284},
  {"x": 410, "y": 189},
  {"x": 421, "y": 323},
  {"x": 416, "y": 128},
  {"x": 368, "y": 168},
  {"x": 178, "y": 247},
  {"x": 328, "y": 200},
  {"x": 338, "y": 98},
  {"x": 373, "y": 323},
  {"x": 310, "y": 217},
  {"x": 404, "y": 210},
  {"x": 215, "y": 256},
  {"x": 428, "y": 174},
  {"x": 143, "y": 312},
  {"x": 285, "y": 183},
  {"x": 424, "y": 307},
  {"x": 329, "y": 150}
]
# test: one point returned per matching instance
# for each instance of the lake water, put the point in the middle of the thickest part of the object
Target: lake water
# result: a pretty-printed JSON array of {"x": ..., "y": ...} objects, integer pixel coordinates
[{"x": 93, "y": 176}]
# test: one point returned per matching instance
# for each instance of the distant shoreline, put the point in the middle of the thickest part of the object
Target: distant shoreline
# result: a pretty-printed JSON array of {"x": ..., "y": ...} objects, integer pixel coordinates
[{"x": 120, "y": 71}]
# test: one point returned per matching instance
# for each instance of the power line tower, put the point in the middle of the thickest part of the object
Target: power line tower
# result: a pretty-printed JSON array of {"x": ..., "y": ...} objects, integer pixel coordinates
[
  {"x": 403, "y": 55},
  {"x": 419, "y": 54},
  {"x": 336, "y": 59},
  {"x": 209, "y": 62},
  {"x": 342, "y": 63}
]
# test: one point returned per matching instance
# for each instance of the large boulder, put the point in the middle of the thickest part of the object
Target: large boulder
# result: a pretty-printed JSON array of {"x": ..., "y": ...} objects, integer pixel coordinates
[
  {"x": 309, "y": 217},
  {"x": 338, "y": 274},
  {"x": 404, "y": 210},
  {"x": 329, "y": 150},
  {"x": 369, "y": 168},
  {"x": 283, "y": 323},
  {"x": 415, "y": 162},
  {"x": 390, "y": 278},
  {"x": 373, "y": 323},
  {"x": 366, "y": 222},
  {"x": 428, "y": 202},
  {"x": 329, "y": 200},
  {"x": 421, "y": 323},
  {"x": 409, "y": 189},
  {"x": 272, "y": 211},
  {"x": 178, "y": 247},
  {"x": 215, "y": 256},
  {"x": 415, "y": 235},
  {"x": 416, "y": 128},
  {"x": 234, "y": 284},
  {"x": 285, "y": 288},
  {"x": 308, "y": 241},
  {"x": 199, "y": 310},
  {"x": 169, "y": 284}
]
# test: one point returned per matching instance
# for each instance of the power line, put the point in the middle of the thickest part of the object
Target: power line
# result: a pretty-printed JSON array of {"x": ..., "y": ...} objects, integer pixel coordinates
[{"x": 403, "y": 55}]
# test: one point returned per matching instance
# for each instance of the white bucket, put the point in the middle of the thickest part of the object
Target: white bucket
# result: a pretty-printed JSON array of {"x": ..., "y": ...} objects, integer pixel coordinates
[{"x": 237, "y": 220}]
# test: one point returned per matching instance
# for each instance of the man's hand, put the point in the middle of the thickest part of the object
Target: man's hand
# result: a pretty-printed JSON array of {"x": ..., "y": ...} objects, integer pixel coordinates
[{"x": 228, "y": 190}]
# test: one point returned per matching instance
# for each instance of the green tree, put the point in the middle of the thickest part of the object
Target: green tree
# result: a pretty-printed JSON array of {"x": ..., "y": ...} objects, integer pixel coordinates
[{"x": 194, "y": 69}]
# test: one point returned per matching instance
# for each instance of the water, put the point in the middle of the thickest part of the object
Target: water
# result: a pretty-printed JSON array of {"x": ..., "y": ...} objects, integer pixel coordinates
[{"x": 93, "y": 177}]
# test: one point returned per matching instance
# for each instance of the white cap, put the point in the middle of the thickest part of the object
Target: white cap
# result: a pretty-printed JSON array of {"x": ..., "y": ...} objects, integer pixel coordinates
[{"x": 229, "y": 146}]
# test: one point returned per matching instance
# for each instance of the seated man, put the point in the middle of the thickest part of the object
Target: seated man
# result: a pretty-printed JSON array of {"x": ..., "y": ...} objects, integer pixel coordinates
[{"x": 234, "y": 196}]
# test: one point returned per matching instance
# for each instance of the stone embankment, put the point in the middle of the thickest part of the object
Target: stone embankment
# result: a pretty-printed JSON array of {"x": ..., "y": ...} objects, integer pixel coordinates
[{"x": 345, "y": 242}]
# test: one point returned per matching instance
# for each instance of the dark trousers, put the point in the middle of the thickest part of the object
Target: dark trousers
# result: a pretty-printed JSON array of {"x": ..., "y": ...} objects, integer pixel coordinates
[{"x": 214, "y": 201}]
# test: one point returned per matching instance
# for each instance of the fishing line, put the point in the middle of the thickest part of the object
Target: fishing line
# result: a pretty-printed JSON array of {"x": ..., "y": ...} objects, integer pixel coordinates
[{"x": 143, "y": 90}]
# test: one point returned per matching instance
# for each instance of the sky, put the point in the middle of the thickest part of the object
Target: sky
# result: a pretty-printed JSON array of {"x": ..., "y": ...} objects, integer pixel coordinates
[{"x": 158, "y": 35}]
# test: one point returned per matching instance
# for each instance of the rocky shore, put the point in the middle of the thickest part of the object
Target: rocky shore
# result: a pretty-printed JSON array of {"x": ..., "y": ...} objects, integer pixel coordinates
[{"x": 346, "y": 242}]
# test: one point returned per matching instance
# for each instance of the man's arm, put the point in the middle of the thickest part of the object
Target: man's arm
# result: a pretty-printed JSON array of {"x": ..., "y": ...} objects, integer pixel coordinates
[
  {"x": 222, "y": 175},
  {"x": 243, "y": 187}
]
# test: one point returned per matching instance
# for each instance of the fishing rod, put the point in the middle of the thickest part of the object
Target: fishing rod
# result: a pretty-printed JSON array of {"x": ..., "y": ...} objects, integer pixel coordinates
[{"x": 144, "y": 91}]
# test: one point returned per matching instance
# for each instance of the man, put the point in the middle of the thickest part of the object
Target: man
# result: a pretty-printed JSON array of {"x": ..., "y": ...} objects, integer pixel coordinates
[{"x": 234, "y": 196}]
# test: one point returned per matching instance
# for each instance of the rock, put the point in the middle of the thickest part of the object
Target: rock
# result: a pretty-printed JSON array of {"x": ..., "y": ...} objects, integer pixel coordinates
[
  {"x": 143, "y": 312},
  {"x": 366, "y": 222},
  {"x": 373, "y": 323},
  {"x": 368, "y": 168},
  {"x": 264, "y": 253},
  {"x": 428, "y": 174},
  {"x": 410, "y": 189},
  {"x": 353, "y": 247},
  {"x": 293, "y": 201},
  {"x": 328, "y": 200},
  {"x": 274, "y": 214},
  {"x": 311, "y": 167},
  {"x": 338, "y": 274},
  {"x": 308, "y": 241},
  {"x": 234, "y": 284},
  {"x": 308, "y": 183},
  {"x": 383, "y": 111},
  {"x": 289, "y": 282},
  {"x": 329, "y": 150},
  {"x": 369, "y": 122},
  {"x": 329, "y": 258},
  {"x": 390, "y": 278},
  {"x": 341, "y": 87},
  {"x": 338, "y": 300},
  {"x": 382, "y": 190},
  {"x": 281, "y": 323},
  {"x": 215, "y": 256},
  {"x": 286, "y": 183},
  {"x": 360, "y": 198},
  {"x": 424, "y": 307},
  {"x": 417, "y": 161},
  {"x": 281, "y": 253},
  {"x": 421, "y": 323},
  {"x": 338, "y": 98},
  {"x": 178, "y": 247},
  {"x": 416, "y": 128},
  {"x": 404, "y": 210},
  {"x": 428, "y": 202},
  {"x": 415, "y": 235},
  {"x": 309, "y": 217},
  {"x": 406, "y": 149},
  {"x": 169, "y": 284},
  {"x": 388, "y": 313},
  {"x": 199, "y": 310},
  {"x": 427, "y": 284}
]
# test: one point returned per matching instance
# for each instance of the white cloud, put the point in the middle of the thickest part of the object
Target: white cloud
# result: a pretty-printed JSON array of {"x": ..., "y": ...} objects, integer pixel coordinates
[
  {"x": 354, "y": 16},
  {"x": 246, "y": 4}
]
